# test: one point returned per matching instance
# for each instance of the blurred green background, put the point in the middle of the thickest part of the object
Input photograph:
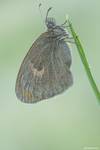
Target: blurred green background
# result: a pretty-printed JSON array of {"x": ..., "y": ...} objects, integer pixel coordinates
[{"x": 70, "y": 121}]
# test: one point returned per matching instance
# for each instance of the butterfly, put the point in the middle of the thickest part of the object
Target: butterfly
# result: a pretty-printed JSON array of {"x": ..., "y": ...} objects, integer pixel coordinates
[{"x": 45, "y": 70}]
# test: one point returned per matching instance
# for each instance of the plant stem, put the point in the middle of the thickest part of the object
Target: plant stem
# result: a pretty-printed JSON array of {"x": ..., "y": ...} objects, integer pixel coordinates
[{"x": 84, "y": 61}]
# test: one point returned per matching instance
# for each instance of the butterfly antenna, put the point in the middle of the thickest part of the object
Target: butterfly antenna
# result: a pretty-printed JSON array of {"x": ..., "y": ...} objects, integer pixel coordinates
[
  {"x": 41, "y": 12},
  {"x": 47, "y": 14}
]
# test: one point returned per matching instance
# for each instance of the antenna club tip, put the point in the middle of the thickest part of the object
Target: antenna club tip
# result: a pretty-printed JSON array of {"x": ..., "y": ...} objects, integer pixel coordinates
[
  {"x": 40, "y": 5},
  {"x": 49, "y": 8}
]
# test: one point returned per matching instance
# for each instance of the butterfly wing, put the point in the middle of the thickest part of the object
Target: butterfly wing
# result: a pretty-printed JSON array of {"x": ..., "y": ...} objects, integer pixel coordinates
[{"x": 45, "y": 70}]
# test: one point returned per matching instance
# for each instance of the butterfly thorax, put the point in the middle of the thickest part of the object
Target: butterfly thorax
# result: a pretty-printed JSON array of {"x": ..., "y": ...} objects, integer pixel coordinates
[
  {"x": 57, "y": 32},
  {"x": 54, "y": 30}
]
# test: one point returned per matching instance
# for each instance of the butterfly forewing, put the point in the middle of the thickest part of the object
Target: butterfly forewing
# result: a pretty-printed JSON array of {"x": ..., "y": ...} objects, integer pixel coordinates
[{"x": 45, "y": 71}]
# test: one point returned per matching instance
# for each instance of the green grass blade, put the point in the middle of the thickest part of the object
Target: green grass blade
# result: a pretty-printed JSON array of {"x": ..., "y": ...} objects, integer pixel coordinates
[{"x": 84, "y": 61}]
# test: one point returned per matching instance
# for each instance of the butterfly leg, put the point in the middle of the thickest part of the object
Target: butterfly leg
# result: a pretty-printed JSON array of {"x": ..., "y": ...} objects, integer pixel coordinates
[{"x": 67, "y": 39}]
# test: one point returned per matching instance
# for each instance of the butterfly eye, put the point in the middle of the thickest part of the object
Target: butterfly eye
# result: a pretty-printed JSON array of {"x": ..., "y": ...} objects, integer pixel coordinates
[{"x": 50, "y": 23}]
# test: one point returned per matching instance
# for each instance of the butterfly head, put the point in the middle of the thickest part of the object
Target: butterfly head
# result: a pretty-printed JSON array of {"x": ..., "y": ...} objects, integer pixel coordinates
[
  {"x": 52, "y": 26},
  {"x": 50, "y": 23}
]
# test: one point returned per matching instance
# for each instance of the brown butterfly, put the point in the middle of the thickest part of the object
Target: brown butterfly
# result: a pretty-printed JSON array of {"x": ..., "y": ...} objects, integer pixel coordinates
[{"x": 45, "y": 70}]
